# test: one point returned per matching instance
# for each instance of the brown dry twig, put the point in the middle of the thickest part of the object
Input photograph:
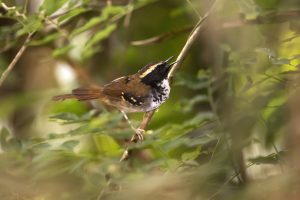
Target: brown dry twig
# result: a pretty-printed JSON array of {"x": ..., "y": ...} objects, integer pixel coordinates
[
  {"x": 234, "y": 23},
  {"x": 127, "y": 19},
  {"x": 183, "y": 53},
  {"x": 162, "y": 37},
  {"x": 13, "y": 8},
  {"x": 15, "y": 60}
]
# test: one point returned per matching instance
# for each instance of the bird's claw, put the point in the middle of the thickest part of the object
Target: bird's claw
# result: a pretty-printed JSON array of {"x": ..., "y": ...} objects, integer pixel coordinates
[{"x": 139, "y": 135}]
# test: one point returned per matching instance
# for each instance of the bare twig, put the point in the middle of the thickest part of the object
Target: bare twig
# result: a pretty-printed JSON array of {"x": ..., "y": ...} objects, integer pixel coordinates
[
  {"x": 192, "y": 38},
  {"x": 25, "y": 6},
  {"x": 235, "y": 23},
  {"x": 63, "y": 32},
  {"x": 13, "y": 8},
  {"x": 161, "y": 38},
  {"x": 129, "y": 13},
  {"x": 194, "y": 9},
  {"x": 15, "y": 60}
]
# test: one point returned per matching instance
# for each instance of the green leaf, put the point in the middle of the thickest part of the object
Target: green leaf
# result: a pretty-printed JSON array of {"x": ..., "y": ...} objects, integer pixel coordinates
[
  {"x": 102, "y": 34},
  {"x": 177, "y": 130},
  {"x": 41, "y": 146},
  {"x": 62, "y": 51},
  {"x": 107, "y": 145},
  {"x": 9, "y": 143},
  {"x": 192, "y": 82},
  {"x": 267, "y": 4},
  {"x": 199, "y": 119},
  {"x": 192, "y": 155},
  {"x": 4, "y": 135},
  {"x": 273, "y": 158},
  {"x": 90, "y": 52},
  {"x": 276, "y": 123},
  {"x": 187, "y": 105},
  {"x": 51, "y": 6},
  {"x": 70, "y": 15},
  {"x": 49, "y": 38},
  {"x": 70, "y": 145},
  {"x": 65, "y": 117},
  {"x": 91, "y": 23},
  {"x": 68, "y": 118},
  {"x": 281, "y": 61},
  {"x": 267, "y": 51},
  {"x": 71, "y": 106},
  {"x": 89, "y": 49},
  {"x": 30, "y": 25},
  {"x": 172, "y": 164},
  {"x": 106, "y": 12}
]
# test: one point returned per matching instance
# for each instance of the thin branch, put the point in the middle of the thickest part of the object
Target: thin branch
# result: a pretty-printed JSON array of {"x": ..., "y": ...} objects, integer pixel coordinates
[
  {"x": 25, "y": 7},
  {"x": 129, "y": 13},
  {"x": 190, "y": 41},
  {"x": 63, "y": 32},
  {"x": 194, "y": 9},
  {"x": 162, "y": 37},
  {"x": 235, "y": 23},
  {"x": 15, "y": 60},
  {"x": 13, "y": 8}
]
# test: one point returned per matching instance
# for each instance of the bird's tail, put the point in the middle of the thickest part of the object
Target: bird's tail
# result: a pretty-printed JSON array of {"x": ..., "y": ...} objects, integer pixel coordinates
[{"x": 81, "y": 94}]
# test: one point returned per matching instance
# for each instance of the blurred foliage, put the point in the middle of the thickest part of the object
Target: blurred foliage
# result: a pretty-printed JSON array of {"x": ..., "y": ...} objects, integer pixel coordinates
[{"x": 228, "y": 112}]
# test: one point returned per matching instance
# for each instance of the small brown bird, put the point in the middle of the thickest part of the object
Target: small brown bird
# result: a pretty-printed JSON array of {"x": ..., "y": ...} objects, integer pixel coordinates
[{"x": 141, "y": 92}]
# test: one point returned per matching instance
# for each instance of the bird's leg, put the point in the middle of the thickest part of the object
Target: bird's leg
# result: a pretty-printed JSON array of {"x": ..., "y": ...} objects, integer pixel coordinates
[
  {"x": 138, "y": 132},
  {"x": 128, "y": 121}
]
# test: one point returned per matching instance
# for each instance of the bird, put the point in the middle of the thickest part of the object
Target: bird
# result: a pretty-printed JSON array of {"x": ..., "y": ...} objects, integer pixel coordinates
[{"x": 143, "y": 91}]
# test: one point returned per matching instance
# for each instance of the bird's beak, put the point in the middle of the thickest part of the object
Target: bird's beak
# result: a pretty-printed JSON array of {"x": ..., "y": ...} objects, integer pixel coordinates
[
  {"x": 166, "y": 61},
  {"x": 173, "y": 63},
  {"x": 169, "y": 66}
]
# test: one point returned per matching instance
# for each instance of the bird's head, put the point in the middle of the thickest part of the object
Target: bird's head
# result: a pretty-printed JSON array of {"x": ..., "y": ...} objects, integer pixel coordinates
[{"x": 154, "y": 73}]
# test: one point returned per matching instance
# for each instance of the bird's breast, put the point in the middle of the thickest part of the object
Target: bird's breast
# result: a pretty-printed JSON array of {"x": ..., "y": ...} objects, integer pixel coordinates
[{"x": 159, "y": 94}]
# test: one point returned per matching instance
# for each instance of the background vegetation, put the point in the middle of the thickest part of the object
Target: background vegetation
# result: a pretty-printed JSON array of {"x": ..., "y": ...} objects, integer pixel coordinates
[{"x": 230, "y": 129}]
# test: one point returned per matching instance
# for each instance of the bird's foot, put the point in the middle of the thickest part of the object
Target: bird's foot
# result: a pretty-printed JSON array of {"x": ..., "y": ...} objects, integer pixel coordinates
[{"x": 139, "y": 135}]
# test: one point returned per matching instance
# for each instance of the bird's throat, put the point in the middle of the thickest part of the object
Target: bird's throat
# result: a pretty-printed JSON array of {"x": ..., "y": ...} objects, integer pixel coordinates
[{"x": 160, "y": 93}]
